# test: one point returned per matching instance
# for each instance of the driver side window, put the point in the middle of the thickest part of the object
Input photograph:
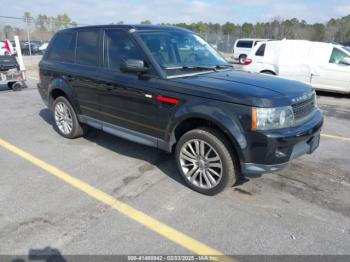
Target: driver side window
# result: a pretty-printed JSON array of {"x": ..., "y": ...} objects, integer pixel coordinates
[
  {"x": 337, "y": 56},
  {"x": 117, "y": 48}
]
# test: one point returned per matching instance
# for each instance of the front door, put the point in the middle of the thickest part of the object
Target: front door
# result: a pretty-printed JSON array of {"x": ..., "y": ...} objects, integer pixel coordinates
[
  {"x": 128, "y": 100},
  {"x": 333, "y": 75}
]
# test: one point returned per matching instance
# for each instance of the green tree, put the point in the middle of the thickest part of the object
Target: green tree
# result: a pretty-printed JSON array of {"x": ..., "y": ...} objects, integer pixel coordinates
[
  {"x": 146, "y": 22},
  {"x": 228, "y": 28},
  {"x": 320, "y": 31},
  {"x": 247, "y": 29}
]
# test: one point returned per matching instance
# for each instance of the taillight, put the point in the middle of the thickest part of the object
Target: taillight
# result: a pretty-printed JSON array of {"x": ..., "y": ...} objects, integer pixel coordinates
[{"x": 248, "y": 61}]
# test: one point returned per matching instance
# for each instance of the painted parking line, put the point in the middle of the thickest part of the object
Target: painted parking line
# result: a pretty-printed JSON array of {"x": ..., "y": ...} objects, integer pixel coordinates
[
  {"x": 154, "y": 225},
  {"x": 342, "y": 138}
]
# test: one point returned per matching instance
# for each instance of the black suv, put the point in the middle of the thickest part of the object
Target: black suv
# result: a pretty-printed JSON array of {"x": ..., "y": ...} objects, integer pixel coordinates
[{"x": 166, "y": 87}]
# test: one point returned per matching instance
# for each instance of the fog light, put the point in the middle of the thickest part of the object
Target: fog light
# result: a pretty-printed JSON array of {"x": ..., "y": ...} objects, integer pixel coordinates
[{"x": 279, "y": 154}]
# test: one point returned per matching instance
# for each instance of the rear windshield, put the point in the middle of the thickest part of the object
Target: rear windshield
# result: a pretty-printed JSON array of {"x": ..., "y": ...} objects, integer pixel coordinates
[{"x": 245, "y": 44}]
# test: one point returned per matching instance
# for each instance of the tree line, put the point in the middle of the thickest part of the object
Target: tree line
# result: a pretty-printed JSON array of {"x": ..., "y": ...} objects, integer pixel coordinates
[
  {"x": 335, "y": 30},
  {"x": 42, "y": 27}
]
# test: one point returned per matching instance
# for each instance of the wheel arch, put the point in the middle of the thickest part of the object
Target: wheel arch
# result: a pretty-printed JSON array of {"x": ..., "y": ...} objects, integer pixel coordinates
[
  {"x": 193, "y": 121},
  {"x": 268, "y": 71},
  {"x": 59, "y": 87}
]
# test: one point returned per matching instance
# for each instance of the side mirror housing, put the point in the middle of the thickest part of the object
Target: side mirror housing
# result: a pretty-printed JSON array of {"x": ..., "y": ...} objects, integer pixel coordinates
[
  {"x": 133, "y": 65},
  {"x": 345, "y": 61}
]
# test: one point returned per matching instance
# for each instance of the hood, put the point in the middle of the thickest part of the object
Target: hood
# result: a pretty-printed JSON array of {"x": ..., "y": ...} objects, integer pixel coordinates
[{"x": 245, "y": 88}]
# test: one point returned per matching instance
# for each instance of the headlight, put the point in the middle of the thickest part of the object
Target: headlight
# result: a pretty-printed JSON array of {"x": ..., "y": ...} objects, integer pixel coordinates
[{"x": 272, "y": 118}]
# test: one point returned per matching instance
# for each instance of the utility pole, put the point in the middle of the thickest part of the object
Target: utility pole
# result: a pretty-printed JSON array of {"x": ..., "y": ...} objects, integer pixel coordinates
[{"x": 28, "y": 36}]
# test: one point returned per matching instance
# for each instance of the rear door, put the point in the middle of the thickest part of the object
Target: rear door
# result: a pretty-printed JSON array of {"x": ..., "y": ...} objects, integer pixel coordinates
[
  {"x": 128, "y": 100},
  {"x": 333, "y": 75},
  {"x": 84, "y": 75}
]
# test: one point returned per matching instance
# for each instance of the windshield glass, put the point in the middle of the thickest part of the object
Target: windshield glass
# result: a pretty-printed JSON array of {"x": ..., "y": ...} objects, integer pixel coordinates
[
  {"x": 181, "y": 50},
  {"x": 346, "y": 48}
]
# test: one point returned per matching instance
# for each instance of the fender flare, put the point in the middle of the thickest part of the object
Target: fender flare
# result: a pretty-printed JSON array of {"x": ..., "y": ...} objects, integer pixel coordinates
[
  {"x": 227, "y": 123},
  {"x": 62, "y": 85}
]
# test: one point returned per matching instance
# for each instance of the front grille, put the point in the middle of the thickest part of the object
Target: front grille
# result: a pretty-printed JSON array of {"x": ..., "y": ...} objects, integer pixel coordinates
[{"x": 303, "y": 109}]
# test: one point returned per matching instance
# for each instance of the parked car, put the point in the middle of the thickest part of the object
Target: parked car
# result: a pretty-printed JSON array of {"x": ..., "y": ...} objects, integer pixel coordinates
[
  {"x": 134, "y": 82},
  {"x": 43, "y": 47},
  {"x": 323, "y": 65},
  {"x": 2, "y": 48},
  {"x": 34, "y": 48},
  {"x": 242, "y": 48}
]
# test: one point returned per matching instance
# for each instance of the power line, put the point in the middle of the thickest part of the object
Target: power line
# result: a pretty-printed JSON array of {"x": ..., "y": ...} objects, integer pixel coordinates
[{"x": 28, "y": 19}]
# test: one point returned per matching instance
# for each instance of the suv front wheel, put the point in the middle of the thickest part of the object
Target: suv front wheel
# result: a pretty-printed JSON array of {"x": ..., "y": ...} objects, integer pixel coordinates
[
  {"x": 66, "y": 121},
  {"x": 205, "y": 162}
]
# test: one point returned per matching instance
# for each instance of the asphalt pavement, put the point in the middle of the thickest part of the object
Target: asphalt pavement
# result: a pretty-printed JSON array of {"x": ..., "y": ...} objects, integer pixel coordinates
[{"x": 303, "y": 209}]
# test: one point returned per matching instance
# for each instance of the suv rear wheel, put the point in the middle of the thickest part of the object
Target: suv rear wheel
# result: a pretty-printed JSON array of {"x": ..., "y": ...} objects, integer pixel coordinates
[
  {"x": 242, "y": 59},
  {"x": 66, "y": 121},
  {"x": 205, "y": 161}
]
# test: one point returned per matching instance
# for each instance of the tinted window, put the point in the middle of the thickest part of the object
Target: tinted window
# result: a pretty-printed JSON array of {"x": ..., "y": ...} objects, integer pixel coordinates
[
  {"x": 87, "y": 48},
  {"x": 245, "y": 44},
  {"x": 63, "y": 47},
  {"x": 337, "y": 56},
  {"x": 261, "y": 50},
  {"x": 117, "y": 48}
]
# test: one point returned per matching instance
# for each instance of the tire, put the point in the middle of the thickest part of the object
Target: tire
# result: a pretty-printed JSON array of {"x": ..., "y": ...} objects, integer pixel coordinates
[
  {"x": 268, "y": 73},
  {"x": 10, "y": 84},
  {"x": 17, "y": 86},
  {"x": 242, "y": 58},
  {"x": 189, "y": 164},
  {"x": 65, "y": 119}
]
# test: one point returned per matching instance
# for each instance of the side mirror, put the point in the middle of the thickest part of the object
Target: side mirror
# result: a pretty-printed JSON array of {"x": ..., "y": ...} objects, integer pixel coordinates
[
  {"x": 133, "y": 65},
  {"x": 345, "y": 61}
]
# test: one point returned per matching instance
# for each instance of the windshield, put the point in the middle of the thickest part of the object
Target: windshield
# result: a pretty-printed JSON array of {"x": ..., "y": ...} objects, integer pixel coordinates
[
  {"x": 177, "y": 51},
  {"x": 346, "y": 48}
]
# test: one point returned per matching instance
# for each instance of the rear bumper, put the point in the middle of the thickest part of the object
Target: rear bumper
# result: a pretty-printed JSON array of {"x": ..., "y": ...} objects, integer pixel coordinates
[
  {"x": 272, "y": 150},
  {"x": 42, "y": 93}
]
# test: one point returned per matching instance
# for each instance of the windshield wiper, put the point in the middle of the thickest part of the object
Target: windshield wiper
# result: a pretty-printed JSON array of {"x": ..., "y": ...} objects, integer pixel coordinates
[
  {"x": 191, "y": 68},
  {"x": 211, "y": 68},
  {"x": 224, "y": 66}
]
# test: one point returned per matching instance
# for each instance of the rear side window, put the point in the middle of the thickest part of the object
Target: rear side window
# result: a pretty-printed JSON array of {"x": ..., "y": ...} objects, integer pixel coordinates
[
  {"x": 245, "y": 44},
  {"x": 87, "y": 47},
  {"x": 117, "y": 48},
  {"x": 63, "y": 47},
  {"x": 261, "y": 50}
]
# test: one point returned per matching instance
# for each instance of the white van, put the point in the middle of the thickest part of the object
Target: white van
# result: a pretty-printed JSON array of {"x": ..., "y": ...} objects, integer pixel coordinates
[
  {"x": 242, "y": 48},
  {"x": 325, "y": 66}
]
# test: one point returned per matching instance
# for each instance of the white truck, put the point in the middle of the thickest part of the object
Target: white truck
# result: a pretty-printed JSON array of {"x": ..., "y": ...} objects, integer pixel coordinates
[
  {"x": 242, "y": 48},
  {"x": 325, "y": 66}
]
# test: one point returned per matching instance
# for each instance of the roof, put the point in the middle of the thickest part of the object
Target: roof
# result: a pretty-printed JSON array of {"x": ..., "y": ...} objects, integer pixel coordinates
[{"x": 136, "y": 27}]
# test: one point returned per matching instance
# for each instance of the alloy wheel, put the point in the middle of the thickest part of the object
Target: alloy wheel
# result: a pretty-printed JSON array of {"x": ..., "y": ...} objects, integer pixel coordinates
[
  {"x": 201, "y": 164},
  {"x": 63, "y": 118}
]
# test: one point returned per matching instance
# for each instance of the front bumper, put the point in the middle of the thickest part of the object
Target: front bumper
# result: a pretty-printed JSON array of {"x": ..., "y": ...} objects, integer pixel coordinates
[{"x": 270, "y": 151}]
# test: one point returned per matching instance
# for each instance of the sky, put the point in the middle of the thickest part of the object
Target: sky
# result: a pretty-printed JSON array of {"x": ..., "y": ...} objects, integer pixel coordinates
[{"x": 174, "y": 11}]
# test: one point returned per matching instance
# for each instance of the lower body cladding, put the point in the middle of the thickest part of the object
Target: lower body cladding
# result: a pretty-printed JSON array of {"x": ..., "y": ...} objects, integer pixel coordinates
[{"x": 270, "y": 151}]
